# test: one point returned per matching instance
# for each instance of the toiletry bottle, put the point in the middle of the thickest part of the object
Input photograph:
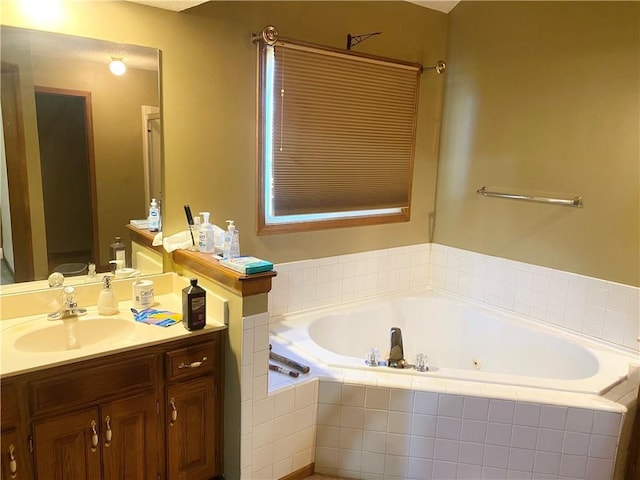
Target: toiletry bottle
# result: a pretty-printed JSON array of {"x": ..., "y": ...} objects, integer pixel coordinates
[
  {"x": 118, "y": 252},
  {"x": 107, "y": 302},
  {"x": 154, "y": 216},
  {"x": 91, "y": 275},
  {"x": 194, "y": 306},
  {"x": 142, "y": 295},
  {"x": 159, "y": 215},
  {"x": 196, "y": 231},
  {"x": 231, "y": 247},
  {"x": 205, "y": 235}
]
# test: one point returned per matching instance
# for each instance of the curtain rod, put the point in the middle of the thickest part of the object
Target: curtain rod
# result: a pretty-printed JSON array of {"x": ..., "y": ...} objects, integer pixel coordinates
[{"x": 269, "y": 35}]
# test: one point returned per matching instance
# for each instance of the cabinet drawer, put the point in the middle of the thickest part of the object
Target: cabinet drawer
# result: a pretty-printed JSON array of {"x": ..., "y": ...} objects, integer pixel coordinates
[
  {"x": 191, "y": 361},
  {"x": 92, "y": 384}
]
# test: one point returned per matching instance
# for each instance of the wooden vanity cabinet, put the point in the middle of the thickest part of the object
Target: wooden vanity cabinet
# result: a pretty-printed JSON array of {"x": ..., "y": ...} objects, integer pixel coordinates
[
  {"x": 15, "y": 459},
  {"x": 116, "y": 440},
  {"x": 194, "y": 430},
  {"x": 125, "y": 416}
]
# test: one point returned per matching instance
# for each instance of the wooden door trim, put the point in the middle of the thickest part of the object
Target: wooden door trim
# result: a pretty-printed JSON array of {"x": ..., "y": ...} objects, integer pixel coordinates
[
  {"x": 88, "y": 118},
  {"x": 17, "y": 179}
]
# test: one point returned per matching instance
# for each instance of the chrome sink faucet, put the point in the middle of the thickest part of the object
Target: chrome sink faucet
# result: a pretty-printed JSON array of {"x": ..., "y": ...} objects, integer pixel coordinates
[
  {"x": 396, "y": 352},
  {"x": 69, "y": 306}
]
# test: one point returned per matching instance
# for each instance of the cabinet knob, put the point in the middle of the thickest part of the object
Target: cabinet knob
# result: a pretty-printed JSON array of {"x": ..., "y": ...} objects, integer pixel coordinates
[
  {"x": 174, "y": 412},
  {"x": 94, "y": 436},
  {"x": 192, "y": 364},
  {"x": 107, "y": 433},
  {"x": 13, "y": 465}
]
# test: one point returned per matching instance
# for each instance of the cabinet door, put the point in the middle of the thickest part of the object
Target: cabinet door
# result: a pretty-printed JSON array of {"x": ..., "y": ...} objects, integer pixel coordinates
[
  {"x": 67, "y": 447},
  {"x": 13, "y": 461},
  {"x": 129, "y": 438},
  {"x": 191, "y": 430}
]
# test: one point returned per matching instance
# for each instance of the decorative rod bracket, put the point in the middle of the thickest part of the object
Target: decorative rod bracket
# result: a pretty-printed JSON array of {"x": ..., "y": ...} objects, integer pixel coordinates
[
  {"x": 353, "y": 40},
  {"x": 268, "y": 35},
  {"x": 439, "y": 67}
]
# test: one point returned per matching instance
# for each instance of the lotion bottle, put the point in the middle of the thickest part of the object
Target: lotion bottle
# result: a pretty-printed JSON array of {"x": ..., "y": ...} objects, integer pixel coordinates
[
  {"x": 194, "y": 306},
  {"x": 206, "y": 235},
  {"x": 231, "y": 247},
  {"x": 118, "y": 252},
  {"x": 107, "y": 302}
]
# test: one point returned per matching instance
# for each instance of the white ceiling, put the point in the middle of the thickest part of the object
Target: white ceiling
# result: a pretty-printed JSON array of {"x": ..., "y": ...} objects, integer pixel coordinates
[
  {"x": 179, "y": 5},
  {"x": 175, "y": 5},
  {"x": 440, "y": 5}
]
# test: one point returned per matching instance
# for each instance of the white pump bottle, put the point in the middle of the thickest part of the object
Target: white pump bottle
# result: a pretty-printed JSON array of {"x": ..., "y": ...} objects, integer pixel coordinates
[
  {"x": 231, "y": 246},
  {"x": 206, "y": 235}
]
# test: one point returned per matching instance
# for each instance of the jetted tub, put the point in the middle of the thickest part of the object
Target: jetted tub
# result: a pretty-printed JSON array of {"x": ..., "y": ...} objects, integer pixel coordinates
[{"x": 462, "y": 340}]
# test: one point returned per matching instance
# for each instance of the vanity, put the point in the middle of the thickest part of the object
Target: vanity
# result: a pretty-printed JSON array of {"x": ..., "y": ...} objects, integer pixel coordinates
[
  {"x": 142, "y": 402},
  {"x": 121, "y": 406}
]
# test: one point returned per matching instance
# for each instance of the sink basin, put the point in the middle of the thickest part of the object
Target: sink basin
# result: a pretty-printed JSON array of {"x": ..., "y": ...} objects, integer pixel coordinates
[{"x": 74, "y": 333}]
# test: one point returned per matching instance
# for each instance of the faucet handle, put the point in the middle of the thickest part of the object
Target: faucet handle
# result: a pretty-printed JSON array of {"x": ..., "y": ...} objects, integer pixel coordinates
[
  {"x": 56, "y": 279},
  {"x": 422, "y": 363},
  {"x": 373, "y": 357},
  {"x": 68, "y": 295}
]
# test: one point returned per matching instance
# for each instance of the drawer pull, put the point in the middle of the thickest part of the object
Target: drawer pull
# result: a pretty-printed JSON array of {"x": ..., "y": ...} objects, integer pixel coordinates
[
  {"x": 192, "y": 364},
  {"x": 174, "y": 412},
  {"x": 13, "y": 465},
  {"x": 94, "y": 436},
  {"x": 107, "y": 434}
]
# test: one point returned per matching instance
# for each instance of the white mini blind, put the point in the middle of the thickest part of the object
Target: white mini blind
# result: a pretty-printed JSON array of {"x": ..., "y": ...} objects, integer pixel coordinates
[{"x": 343, "y": 131}]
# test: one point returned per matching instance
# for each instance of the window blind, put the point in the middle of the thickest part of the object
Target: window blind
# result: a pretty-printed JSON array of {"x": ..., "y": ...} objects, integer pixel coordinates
[{"x": 343, "y": 131}]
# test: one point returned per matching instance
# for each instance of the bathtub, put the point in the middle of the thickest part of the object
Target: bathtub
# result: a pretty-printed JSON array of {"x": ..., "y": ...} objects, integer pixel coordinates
[{"x": 463, "y": 341}]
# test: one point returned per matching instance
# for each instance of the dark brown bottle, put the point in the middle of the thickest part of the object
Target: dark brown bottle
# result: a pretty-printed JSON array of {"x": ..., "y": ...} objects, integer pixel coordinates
[{"x": 194, "y": 306}]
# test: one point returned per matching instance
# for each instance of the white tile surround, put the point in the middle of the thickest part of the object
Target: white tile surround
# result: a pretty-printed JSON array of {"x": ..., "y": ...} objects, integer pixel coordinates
[
  {"x": 373, "y": 432},
  {"x": 278, "y": 428},
  {"x": 606, "y": 310},
  {"x": 358, "y": 430}
]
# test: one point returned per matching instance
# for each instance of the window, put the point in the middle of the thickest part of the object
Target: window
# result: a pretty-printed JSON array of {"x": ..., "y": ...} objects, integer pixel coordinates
[{"x": 336, "y": 138}]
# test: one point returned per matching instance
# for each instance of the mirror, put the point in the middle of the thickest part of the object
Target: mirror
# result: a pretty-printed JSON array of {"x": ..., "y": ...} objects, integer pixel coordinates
[{"x": 82, "y": 149}]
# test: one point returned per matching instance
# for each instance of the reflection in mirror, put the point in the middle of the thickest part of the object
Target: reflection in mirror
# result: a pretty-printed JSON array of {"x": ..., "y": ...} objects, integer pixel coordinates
[{"x": 81, "y": 151}]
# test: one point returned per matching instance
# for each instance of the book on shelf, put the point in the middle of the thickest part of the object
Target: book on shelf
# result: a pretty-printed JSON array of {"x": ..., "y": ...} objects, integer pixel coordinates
[{"x": 247, "y": 265}]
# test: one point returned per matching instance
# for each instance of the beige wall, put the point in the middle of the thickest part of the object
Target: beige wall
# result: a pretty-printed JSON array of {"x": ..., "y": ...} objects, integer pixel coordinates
[
  {"x": 541, "y": 96},
  {"x": 544, "y": 96},
  {"x": 226, "y": 166},
  {"x": 209, "y": 102}
]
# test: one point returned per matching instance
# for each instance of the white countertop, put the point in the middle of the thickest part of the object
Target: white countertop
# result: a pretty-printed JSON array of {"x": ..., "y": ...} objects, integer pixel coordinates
[{"x": 14, "y": 361}]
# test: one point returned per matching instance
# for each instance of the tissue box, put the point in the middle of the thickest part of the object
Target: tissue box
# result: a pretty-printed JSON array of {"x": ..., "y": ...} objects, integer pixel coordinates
[{"x": 247, "y": 265}]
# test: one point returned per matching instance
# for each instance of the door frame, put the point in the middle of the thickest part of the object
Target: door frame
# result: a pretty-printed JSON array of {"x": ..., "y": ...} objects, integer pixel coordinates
[
  {"x": 88, "y": 119},
  {"x": 17, "y": 176}
]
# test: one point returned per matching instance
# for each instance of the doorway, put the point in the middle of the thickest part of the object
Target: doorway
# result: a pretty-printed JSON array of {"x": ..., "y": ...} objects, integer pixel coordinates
[{"x": 65, "y": 134}]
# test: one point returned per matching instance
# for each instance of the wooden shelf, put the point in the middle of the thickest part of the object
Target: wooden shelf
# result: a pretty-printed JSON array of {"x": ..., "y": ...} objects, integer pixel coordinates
[{"x": 205, "y": 264}]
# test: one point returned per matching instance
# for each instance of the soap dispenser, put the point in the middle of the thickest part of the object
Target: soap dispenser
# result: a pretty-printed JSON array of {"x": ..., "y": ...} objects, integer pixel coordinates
[
  {"x": 107, "y": 302},
  {"x": 154, "y": 216}
]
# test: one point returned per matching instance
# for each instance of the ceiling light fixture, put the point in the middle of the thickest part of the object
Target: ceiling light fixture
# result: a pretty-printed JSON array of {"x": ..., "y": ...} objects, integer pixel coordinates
[{"x": 117, "y": 66}]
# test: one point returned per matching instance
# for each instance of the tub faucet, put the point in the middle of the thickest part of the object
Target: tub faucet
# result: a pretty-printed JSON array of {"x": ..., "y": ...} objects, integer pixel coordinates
[
  {"x": 69, "y": 306},
  {"x": 396, "y": 352}
]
